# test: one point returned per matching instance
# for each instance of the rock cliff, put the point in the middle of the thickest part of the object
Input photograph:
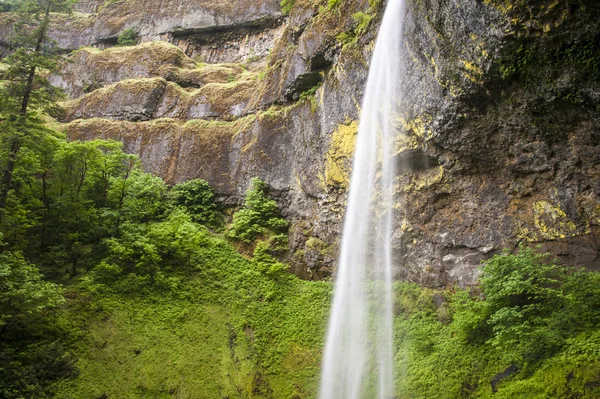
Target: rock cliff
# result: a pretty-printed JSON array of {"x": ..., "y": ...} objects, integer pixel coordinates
[{"x": 497, "y": 123}]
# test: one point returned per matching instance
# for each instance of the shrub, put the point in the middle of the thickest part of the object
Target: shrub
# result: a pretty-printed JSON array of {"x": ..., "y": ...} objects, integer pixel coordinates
[
  {"x": 145, "y": 197},
  {"x": 258, "y": 217},
  {"x": 198, "y": 199},
  {"x": 127, "y": 37},
  {"x": 286, "y": 6},
  {"x": 532, "y": 315},
  {"x": 23, "y": 291},
  {"x": 331, "y": 4},
  {"x": 9, "y": 5}
]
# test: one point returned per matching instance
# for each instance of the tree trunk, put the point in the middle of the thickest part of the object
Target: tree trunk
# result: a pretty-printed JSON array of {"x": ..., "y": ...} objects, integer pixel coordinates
[
  {"x": 16, "y": 145},
  {"x": 4, "y": 328},
  {"x": 8, "y": 174},
  {"x": 38, "y": 50}
]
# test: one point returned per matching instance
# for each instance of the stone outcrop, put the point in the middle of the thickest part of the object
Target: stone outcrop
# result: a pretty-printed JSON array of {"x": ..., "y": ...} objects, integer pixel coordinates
[
  {"x": 498, "y": 138},
  {"x": 98, "y": 23},
  {"x": 505, "y": 97}
]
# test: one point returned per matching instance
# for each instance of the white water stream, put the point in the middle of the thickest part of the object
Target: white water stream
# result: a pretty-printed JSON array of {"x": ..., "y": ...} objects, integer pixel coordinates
[{"x": 358, "y": 359}]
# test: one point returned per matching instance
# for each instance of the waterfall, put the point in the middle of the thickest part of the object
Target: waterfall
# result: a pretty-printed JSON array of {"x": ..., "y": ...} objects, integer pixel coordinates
[{"x": 358, "y": 358}]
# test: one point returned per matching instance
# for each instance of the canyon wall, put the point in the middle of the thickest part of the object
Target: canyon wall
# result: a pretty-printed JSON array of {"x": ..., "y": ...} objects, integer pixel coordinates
[{"x": 498, "y": 136}]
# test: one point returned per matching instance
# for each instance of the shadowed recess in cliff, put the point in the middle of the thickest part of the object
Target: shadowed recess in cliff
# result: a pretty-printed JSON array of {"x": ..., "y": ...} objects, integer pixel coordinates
[{"x": 358, "y": 356}]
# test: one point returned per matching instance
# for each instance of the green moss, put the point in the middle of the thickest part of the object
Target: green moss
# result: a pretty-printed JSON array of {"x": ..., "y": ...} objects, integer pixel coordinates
[
  {"x": 361, "y": 25},
  {"x": 286, "y": 6},
  {"x": 541, "y": 63},
  {"x": 234, "y": 328},
  {"x": 320, "y": 246}
]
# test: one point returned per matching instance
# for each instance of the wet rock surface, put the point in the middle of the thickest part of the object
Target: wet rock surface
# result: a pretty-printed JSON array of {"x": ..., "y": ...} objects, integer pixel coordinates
[{"x": 498, "y": 137}]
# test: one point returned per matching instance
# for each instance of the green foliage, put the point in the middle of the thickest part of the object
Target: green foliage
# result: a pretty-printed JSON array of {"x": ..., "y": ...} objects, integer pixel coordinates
[
  {"x": 34, "y": 370},
  {"x": 362, "y": 22},
  {"x": 29, "y": 365},
  {"x": 23, "y": 292},
  {"x": 331, "y": 4},
  {"x": 258, "y": 217},
  {"x": 26, "y": 92},
  {"x": 286, "y": 6},
  {"x": 198, "y": 199},
  {"x": 532, "y": 313},
  {"x": 225, "y": 324},
  {"x": 127, "y": 37},
  {"x": 145, "y": 197},
  {"x": 310, "y": 93},
  {"x": 9, "y": 5},
  {"x": 34, "y": 58}
]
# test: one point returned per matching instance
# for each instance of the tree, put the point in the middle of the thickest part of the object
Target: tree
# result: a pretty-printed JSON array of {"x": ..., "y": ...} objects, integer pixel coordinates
[
  {"x": 145, "y": 197},
  {"x": 27, "y": 90},
  {"x": 9, "y": 5},
  {"x": 127, "y": 37},
  {"x": 258, "y": 217},
  {"x": 23, "y": 292},
  {"x": 198, "y": 199}
]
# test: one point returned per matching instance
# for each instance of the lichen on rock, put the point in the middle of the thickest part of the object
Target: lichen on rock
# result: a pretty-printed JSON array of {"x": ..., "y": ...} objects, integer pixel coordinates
[{"x": 339, "y": 156}]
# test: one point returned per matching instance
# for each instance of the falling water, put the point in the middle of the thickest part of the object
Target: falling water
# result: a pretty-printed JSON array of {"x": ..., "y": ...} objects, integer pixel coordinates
[{"x": 358, "y": 360}]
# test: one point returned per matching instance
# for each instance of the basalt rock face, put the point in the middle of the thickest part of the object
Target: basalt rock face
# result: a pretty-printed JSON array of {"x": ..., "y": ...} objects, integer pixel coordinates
[
  {"x": 498, "y": 138},
  {"x": 504, "y": 96},
  {"x": 98, "y": 23}
]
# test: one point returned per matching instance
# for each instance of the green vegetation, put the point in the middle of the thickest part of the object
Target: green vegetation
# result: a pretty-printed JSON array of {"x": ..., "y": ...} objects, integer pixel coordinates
[
  {"x": 331, "y": 4},
  {"x": 114, "y": 285},
  {"x": 108, "y": 275},
  {"x": 533, "y": 320},
  {"x": 310, "y": 93},
  {"x": 259, "y": 217},
  {"x": 139, "y": 297},
  {"x": 362, "y": 22},
  {"x": 127, "y": 37},
  {"x": 9, "y": 5},
  {"x": 286, "y": 6},
  {"x": 198, "y": 199},
  {"x": 224, "y": 326},
  {"x": 26, "y": 90}
]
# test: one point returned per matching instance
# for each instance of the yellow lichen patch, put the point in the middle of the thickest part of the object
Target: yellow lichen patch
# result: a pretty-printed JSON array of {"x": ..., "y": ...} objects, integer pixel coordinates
[
  {"x": 473, "y": 72},
  {"x": 406, "y": 226},
  {"x": 425, "y": 179},
  {"x": 418, "y": 126},
  {"x": 504, "y": 6},
  {"x": 404, "y": 143},
  {"x": 339, "y": 155},
  {"x": 551, "y": 222}
]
